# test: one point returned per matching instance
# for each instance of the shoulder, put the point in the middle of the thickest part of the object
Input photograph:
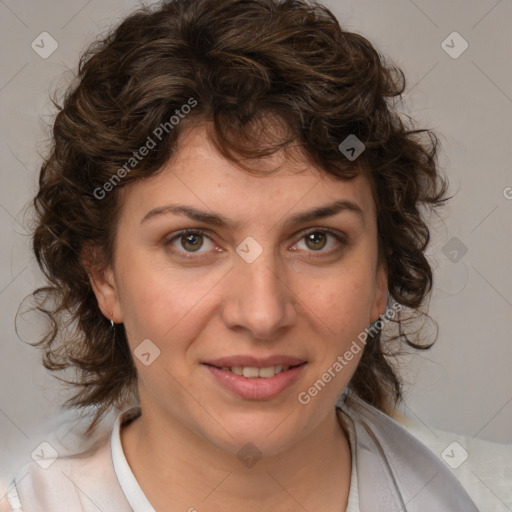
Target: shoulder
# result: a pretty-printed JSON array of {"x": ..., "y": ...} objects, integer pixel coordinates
[
  {"x": 394, "y": 467},
  {"x": 483, "y": 467},
  {"x": 80, "y": 482}
]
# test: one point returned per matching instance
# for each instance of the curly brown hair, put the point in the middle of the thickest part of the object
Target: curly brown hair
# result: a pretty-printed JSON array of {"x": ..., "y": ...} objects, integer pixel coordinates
[{"x": 240, "y": 61}]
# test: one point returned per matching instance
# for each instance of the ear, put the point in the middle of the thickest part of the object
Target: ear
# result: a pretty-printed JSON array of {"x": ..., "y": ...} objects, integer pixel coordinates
[
  {"x": 380, "y": 299},
  {"x": 104, "y": 286}
]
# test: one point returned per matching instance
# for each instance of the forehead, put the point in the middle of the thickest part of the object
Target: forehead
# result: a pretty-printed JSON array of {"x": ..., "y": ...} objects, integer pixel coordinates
[{"x": 200, "y": 176}]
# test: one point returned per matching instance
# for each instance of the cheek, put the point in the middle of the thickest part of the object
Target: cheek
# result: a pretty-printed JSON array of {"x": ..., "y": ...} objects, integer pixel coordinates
[
  {"x": 343, "y": 299},
  {"x": 159, "y": 303}
]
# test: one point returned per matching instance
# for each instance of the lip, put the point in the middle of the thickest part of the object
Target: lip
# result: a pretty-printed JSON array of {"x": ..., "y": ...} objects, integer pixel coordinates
[
  {"x": 256, "y": 388},
  {"x": 255, "y": 362}
]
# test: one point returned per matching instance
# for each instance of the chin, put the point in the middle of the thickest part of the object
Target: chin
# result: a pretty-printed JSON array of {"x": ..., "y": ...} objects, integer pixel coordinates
[{"x": 268, "y": 434}]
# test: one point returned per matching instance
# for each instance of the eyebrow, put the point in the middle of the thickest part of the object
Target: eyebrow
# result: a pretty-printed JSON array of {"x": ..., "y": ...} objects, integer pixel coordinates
[{"x": 216, "y": 219}]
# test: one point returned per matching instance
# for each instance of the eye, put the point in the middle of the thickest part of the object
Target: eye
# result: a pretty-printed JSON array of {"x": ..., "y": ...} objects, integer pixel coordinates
[
  {"x": 318, "y": 239},
  {"x": 190, "y": 241}
]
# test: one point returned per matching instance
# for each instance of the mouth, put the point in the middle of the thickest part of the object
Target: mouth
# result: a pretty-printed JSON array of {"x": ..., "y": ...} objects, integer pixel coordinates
[
  {"x": 253, "y": 372},
  {"x": 256, "y": 379}
]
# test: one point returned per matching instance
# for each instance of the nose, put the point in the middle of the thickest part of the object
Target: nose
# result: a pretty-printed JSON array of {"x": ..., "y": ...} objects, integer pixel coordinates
[{"x": 258, "y": 299}]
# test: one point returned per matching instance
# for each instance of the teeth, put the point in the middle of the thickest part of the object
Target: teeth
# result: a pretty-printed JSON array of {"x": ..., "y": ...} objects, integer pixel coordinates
[
  {"x": 269, "y": 371},
  {"x": 251, "y": 372}
]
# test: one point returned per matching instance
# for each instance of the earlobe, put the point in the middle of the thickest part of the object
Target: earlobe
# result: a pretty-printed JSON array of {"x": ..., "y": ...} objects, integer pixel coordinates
[
  {"x": 105, "y": 289},
  {"x": 381, "y": 293}
]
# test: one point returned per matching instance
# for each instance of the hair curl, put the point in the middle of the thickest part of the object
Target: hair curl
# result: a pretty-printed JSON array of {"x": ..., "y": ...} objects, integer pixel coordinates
[{"x": 242, "y": 60}]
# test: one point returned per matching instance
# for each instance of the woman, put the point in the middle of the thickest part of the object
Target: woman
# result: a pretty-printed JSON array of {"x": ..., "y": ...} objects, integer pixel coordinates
[{"x": 229, "y": 221}]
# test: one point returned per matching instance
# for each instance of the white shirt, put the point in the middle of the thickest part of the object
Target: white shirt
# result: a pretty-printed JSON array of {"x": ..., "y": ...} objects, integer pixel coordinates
[
  {"x": 389, "y": 467},
  {"x": 126, "y": 493}
]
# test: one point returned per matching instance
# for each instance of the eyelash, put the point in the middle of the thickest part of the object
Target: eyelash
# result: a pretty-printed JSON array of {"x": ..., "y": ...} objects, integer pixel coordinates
[{"x": 341, "y": 238}]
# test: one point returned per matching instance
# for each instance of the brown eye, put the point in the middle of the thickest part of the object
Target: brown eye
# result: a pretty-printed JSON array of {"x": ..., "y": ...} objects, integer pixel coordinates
[
  {"x": 191, "y": 241},
  {"x": 324, "y": 241},
  {"x": 316, "y": 240},
  {"x": 188, "y": 242}
]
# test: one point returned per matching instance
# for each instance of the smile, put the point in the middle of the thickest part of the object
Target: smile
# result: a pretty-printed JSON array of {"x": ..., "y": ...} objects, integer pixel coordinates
[
  {"x": 252, "y": 372},
  {"x": 256, "y": 383}
]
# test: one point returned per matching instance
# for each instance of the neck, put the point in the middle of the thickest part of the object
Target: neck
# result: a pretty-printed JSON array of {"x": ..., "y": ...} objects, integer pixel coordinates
[{"x": 179, "y": 470}]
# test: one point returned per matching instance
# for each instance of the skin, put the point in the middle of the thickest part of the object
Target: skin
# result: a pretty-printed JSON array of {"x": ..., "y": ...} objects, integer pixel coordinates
[{"x": 309, "y": 300}]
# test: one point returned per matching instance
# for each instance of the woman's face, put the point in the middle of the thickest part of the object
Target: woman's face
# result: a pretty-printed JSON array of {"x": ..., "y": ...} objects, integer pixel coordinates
[{"x": 252, "y": 286}]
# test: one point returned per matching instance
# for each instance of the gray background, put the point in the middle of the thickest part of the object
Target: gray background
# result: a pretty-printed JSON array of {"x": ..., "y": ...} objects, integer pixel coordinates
[{"x": 464, "y": 384}]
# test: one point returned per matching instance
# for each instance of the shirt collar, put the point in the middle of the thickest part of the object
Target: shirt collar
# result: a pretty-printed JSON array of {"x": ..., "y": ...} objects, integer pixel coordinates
[
  {"x": 131, "y": 488},
  {"x": 139, "y": 502}
]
